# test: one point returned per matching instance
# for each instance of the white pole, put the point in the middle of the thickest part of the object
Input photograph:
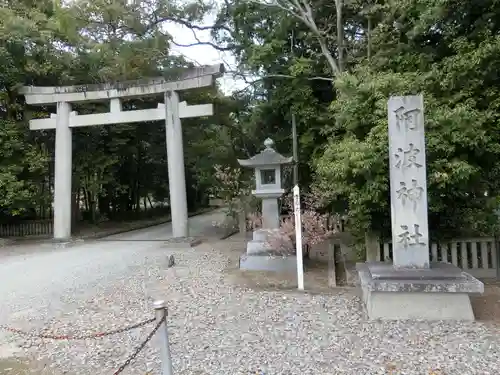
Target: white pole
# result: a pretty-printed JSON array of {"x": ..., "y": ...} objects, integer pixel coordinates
[
  {"x": 166, "y": 359},
  {"x": 298, "y": 237},
  {"x": 295, "y": 151}
]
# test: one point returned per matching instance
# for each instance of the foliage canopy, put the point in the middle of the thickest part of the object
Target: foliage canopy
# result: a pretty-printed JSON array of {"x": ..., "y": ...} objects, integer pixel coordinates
[{"x": 333, "y": 64}]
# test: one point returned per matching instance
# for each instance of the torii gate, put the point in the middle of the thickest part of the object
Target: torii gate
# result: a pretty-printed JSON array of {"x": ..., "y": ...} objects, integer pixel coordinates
[{"x": 171, "y": 111}]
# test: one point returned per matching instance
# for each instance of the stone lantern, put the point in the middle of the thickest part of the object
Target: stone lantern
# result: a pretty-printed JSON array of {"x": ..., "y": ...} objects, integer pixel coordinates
[{"x": 267, "y": 166}]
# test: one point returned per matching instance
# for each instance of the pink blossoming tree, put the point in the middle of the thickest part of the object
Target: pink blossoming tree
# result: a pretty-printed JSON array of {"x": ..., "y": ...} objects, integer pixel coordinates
[{"x": 316, "y": 226}]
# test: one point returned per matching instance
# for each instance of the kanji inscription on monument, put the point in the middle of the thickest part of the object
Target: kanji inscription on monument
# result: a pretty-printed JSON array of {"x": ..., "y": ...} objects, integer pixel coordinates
[
  {"x": 407, "y": 158},
  {"x": 407, "y": 119},
  {"x": 410, "y": 233},
  {"x": 411, "y": 194},
  {"x": 408, "y": 238}
]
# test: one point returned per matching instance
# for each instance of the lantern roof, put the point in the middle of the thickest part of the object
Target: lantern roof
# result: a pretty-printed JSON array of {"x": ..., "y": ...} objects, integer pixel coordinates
[{"x": 268, "y": 156}]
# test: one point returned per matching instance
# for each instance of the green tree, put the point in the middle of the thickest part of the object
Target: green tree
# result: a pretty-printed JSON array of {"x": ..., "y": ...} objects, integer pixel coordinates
[
  {"x": 119, "y": 168},
  {"x": 27, "y": 32},
  {"x": 336, "y": 64},
  {"x": 448, "y": 52}
]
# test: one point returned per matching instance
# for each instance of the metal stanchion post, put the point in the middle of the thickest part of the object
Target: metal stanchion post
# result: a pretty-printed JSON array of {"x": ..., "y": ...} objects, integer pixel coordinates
[{"x": 166, "y": 360}]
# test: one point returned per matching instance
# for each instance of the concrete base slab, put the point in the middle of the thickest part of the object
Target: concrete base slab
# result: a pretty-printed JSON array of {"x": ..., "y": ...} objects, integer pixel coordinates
[
  {"x": 268, "y": 263},
  {"x": 415, "y": 305},
  {"x": 259, "y": 243},
  {"x": 5, "y": 242},
  {"x": 182, "y": 242},
  {"x": 416, "y": 296},
  {"x": 63, "y": 244},
  {"x": 264, "y": 234},
  {"x": 257, "y": 247},
  {"x": 260, "y": 235},
  {"x": 437, "y": 270}
]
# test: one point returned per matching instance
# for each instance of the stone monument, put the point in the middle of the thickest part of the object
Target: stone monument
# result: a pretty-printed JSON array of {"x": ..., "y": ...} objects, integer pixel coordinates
[
  {"x": 412, "y": 287},
  {"x": 267, "y": 166}
]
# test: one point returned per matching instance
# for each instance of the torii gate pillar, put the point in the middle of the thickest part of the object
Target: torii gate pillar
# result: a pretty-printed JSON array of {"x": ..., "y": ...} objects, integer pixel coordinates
[
  {"x": 176, "y": 172},
  {"x": 63, "y": 172},
  {"x": 171, "y": 111}
]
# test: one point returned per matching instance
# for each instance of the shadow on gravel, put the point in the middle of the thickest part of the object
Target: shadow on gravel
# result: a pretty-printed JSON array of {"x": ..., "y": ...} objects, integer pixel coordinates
[{"x": 487, "y": 306}]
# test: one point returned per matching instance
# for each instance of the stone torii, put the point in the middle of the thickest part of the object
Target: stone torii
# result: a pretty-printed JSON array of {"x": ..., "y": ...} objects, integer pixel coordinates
[{"x": 171, "y": 111}]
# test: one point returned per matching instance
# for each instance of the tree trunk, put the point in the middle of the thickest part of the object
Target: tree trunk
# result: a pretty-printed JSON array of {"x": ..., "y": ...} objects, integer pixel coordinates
[
  {"x": 85, "y": 199},
  {"x": 137, "y": 198},
  {"x": 92, "y": 206},
  {"x": 340, "y": 35},
  {"x": 131, "y": 197},
  {"x": 51, "y": 189},
  {"x": 103, "y": 203},
  {"x": 75, "y": 209},
  {"x": 369, "y": 37},
  {"x": 42, "y": 205},
  {"x": 332, "y": 275},
  {"x": 93, "y": 211}
]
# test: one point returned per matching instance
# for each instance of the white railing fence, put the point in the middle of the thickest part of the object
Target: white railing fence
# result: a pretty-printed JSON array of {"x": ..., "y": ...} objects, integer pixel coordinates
[{"x": 476, "y": 256}]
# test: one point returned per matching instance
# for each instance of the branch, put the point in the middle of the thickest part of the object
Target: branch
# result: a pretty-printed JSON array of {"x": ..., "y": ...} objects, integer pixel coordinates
[
  {"x": 243, "y": 76},
  {"x": 253, "y": 82},
  {"x": 200, "y": 43},
  {"x": 282, "y": 7},
  {"x": 308, "y": 9},
  {"x": 306, "y": 78},
  {"x": 188, "y": 24},
  {"x": 302, "y": 10},
  {"x": 203, "y": 44}
]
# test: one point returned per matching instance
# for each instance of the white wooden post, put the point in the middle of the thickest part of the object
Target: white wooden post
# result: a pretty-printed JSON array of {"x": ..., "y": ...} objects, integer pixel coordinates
[
  {"x": 298, "y": 237},
  {"x": 176, "y": 173},
  {"x": 63, "y": 173}
]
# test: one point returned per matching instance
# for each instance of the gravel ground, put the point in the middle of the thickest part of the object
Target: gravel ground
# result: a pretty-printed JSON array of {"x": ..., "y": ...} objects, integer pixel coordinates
[{"x": 218, "y": 327}]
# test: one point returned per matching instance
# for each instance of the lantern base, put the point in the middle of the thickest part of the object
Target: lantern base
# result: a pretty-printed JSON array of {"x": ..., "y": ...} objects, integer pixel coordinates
[
  {"x": 266, "y": 262},
  {"x": 260, "y": 241}
]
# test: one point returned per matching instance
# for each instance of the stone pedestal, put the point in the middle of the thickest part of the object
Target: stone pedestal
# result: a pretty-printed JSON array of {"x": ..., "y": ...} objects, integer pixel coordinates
[
  {"x": 259, "y": 243},
  {"x": 440, "y": 292},
  {"x": 268, "y": 262},
  {"x": 270, "y": 212},
  {"x": 261, "y": 257}
]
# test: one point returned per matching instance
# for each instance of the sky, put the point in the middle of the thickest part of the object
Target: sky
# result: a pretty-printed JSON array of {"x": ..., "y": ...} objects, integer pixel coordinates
[{"x": 203, "y": 54}]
